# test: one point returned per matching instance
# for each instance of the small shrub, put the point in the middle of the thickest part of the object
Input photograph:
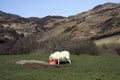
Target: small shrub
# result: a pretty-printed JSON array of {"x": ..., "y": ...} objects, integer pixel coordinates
[{"x": 56, "y": 43}]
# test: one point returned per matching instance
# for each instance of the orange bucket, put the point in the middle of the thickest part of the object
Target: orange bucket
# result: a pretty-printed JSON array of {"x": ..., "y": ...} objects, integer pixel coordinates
[{"x": 52, "y": 62}]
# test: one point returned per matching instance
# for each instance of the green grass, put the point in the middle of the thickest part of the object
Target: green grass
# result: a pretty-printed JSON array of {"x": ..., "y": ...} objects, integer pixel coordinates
[{"x": 82, "y": 68}]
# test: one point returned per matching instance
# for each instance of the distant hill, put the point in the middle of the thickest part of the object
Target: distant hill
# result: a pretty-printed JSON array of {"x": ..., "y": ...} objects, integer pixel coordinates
[{"x": 103, "y": 21}]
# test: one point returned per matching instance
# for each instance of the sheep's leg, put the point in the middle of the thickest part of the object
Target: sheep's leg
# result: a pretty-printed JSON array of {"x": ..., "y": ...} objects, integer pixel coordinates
[
  {"x": 69, "y": 61},
  {"x": 58, "y": 61}
]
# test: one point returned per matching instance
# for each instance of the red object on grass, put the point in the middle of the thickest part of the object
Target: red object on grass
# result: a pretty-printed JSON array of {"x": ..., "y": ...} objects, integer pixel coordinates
[{"x": 52, "y": 62}]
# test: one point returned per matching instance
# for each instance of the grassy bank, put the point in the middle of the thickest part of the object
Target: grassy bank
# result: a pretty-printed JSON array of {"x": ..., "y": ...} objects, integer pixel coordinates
[{"x": 82, "y": 68}]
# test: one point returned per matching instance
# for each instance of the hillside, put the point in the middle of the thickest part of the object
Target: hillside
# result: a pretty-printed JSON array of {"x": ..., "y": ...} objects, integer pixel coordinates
[{"x": 103, "y": 21}]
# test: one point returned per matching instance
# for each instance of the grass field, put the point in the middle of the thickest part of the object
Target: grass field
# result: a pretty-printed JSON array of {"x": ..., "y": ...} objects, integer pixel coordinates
[{"x": 82, "y": 68}]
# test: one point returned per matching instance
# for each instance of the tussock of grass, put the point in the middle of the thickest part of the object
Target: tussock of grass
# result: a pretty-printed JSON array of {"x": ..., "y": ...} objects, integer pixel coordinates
[{"x": 82, "y": 68}]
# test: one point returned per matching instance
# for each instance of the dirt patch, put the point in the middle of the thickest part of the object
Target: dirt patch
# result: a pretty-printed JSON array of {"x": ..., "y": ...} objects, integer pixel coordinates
[
  {"x": 36, "y": 64},
  {"x": 22, "y": 62}
]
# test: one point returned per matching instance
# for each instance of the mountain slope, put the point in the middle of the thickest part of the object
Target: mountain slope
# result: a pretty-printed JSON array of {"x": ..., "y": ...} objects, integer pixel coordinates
[
  {"x": 17, "y": 32},
  {"x": 103, "y": 21}
]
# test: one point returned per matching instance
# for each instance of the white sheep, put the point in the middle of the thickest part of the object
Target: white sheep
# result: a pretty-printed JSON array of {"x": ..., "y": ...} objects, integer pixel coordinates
[{"x": 63, "y": 55}]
